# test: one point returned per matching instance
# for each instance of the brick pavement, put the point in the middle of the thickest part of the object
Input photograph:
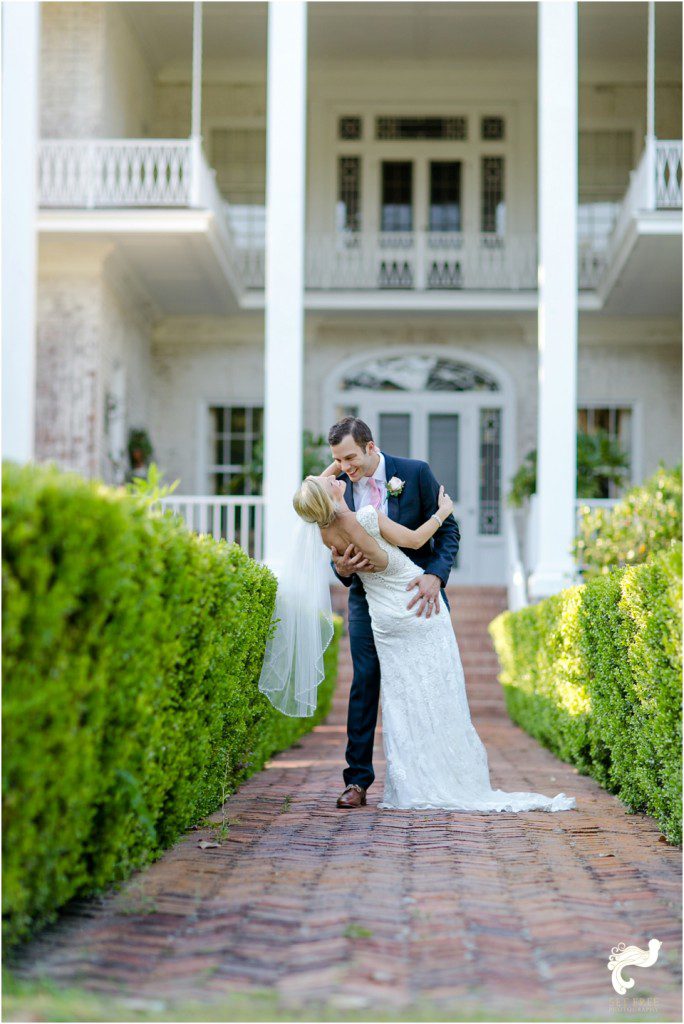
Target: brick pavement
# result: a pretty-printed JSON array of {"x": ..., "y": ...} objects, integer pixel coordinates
[{"x": 511, "y": 916}]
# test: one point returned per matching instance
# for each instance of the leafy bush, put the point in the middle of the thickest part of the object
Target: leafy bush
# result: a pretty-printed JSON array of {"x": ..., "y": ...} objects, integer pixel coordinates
[
  {"x": 647, "y": 520},
  {"x": 131, "y": 654},
  {"x": 594, "y": 673}
]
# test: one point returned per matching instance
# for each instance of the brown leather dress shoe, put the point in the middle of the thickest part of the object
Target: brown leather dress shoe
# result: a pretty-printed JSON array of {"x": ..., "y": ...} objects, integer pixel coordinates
[{"x": 353, "y": 796}]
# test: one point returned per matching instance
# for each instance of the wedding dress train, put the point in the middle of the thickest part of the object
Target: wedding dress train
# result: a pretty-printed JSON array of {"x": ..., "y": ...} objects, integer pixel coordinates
[{"x": 434, "y": 757}]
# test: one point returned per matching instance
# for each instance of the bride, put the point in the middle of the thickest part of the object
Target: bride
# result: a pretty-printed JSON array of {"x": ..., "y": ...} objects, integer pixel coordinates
[{"x": 434, "y": 757}]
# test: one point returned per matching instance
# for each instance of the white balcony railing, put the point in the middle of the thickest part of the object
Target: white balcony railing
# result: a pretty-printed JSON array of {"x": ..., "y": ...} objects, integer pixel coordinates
[
  {"x": 88, "y": 173},
  {"x": 237, "y": 519},
  {"x": 416, "y": 261},
  {"x": 148, "y": 173},
  {"x": 668, "y": 175}
]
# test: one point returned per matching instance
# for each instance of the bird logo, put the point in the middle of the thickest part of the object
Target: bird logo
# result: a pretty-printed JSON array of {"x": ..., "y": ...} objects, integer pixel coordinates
[{"x": 622, "y": 956}]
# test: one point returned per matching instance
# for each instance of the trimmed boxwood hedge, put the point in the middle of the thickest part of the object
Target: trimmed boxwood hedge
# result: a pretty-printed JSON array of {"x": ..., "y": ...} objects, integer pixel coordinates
[
  {"x": 594, "y": 673},
  {"x": 131, "y": 654}
]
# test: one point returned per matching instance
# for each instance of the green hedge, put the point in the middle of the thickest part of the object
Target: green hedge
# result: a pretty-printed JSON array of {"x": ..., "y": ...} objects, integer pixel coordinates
[
  {"x": 131, "y": 654},
  {"x": 647, "y": 520},
  {"x": 594, "y": 673}
]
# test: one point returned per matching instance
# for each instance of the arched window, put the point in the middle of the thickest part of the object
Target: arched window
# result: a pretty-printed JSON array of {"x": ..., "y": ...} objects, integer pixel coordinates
[{"x": 417, "y": 373}]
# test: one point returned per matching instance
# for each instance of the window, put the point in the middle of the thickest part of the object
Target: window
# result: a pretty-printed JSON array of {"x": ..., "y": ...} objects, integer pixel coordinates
[
  {"x": 492, "y": 128},
  {"x": 234, "y": 436},
  {"x": 489, "y": 520},
  {"x": 349, "y": 128},
  {"x": 421, "y": 128},
  {"x": 397, "y": 196},
  {"x": 445, "y": 195},
  {"x": 617, "y": 422},
  {"x": 493, "y": 207},
  {"x": 418, "y": 373},
  {"x": 349, "y": 193}
]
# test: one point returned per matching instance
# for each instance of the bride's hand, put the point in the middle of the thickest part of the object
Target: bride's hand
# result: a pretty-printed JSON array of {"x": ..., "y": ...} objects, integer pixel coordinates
[
  {"x": 445, "y": 505},
  {"x": 334, "y": 469}
]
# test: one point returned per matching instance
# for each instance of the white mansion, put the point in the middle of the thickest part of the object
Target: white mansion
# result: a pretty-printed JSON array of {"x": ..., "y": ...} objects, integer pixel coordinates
[{"x": 460, "y": 220}]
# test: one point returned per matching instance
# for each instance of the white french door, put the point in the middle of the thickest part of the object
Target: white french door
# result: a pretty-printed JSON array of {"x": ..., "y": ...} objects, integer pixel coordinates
[{"x": 443, "y": 432}]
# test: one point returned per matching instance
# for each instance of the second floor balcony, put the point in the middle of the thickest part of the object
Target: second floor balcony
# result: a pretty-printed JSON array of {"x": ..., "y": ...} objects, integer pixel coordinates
[{"x": 149, "y": 193}]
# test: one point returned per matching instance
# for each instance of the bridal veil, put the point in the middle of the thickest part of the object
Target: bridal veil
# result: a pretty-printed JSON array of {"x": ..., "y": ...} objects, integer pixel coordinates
[{"x": 293, "y": 662}]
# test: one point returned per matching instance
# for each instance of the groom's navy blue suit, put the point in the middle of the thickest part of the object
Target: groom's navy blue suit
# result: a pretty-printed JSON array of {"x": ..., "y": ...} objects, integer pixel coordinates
[{"x": 415, "y": 504}]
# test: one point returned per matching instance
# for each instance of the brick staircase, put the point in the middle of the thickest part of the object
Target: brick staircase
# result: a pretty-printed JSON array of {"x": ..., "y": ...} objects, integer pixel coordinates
[{"x": 472, "y": 609}]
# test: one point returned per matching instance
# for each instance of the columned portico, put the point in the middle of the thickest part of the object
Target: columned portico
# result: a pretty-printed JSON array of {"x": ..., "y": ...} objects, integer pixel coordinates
[
  {"x": 557, "y": 315},
  {"x": 284, "y": 291},
  {"x": 20, "y": 54}
]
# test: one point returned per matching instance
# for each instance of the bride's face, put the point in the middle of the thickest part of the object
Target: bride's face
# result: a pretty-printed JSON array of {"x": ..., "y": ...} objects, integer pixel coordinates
[{"x": 335, "y": 488}]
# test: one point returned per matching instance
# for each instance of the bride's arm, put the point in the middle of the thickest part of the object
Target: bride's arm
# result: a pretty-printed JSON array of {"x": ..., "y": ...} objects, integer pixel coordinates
[
  {"x": 402, "y": 537},
  {"x": 333, "y": 469}
]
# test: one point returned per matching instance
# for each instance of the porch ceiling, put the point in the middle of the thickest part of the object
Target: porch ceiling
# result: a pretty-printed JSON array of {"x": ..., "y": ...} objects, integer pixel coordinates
[
  {"x": 647, "y": 274},
  {"x": 609, "y": 31},
  {"x": 174, "y": 257}
]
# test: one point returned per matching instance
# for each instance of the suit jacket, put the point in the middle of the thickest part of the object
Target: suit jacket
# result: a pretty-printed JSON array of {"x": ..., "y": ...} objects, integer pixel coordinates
[{"x": 415, "y": 504}]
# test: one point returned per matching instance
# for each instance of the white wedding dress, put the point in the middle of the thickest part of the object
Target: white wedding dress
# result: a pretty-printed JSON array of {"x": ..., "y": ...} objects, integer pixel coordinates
[{"x": 434, "y": 757}]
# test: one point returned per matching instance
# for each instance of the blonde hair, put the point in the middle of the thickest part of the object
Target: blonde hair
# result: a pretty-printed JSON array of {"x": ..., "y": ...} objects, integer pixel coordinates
[{"x": 312, "y": 502}]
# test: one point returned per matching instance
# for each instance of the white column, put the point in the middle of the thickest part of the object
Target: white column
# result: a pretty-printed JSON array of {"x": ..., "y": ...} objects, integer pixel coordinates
[
  {"x": 20, "y": 62},
  {"x": 650, "y": 111},
  {"x": 196, "y": 107},
  {"x": 557, "y": 315},
  {"x": 284, "y": 291},
  {"x": 196, "y": 114}
]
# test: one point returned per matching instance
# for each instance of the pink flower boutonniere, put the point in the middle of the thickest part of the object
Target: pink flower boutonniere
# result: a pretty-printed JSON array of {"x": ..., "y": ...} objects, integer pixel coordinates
[{"x": 395, "y": 486}]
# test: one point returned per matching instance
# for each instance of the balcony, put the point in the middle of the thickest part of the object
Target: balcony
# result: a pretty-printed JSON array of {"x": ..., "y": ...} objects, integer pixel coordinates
[{"x": 158, "y": 199}]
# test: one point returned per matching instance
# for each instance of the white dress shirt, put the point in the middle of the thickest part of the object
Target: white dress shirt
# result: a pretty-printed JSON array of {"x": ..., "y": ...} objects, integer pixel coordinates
[{"x": 361, "y": 489}]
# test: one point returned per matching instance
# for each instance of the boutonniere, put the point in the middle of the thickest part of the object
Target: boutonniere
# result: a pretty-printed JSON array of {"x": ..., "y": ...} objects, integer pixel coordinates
[{"x": 395, "y": 486}]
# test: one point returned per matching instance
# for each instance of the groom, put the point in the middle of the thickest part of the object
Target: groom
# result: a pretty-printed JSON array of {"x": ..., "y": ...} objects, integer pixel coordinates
[{"x": 406, "y": 491}]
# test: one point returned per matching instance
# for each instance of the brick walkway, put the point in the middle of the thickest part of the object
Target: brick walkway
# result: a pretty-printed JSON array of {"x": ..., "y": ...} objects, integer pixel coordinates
[{"x": 509, "y": 916}]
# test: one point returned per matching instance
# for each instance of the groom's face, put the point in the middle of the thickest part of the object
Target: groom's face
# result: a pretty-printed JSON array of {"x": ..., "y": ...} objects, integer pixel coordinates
[{"x": 353, "y": 460}]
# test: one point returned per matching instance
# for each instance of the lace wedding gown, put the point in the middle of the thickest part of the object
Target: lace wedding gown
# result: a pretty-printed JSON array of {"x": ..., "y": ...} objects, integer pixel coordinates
[{"x": 434, "y": 757}]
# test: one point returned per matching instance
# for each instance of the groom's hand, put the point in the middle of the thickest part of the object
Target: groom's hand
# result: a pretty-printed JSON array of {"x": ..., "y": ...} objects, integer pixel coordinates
[
  {"x": 349, "y": 563},
  {"x": 428, "y": 594}
]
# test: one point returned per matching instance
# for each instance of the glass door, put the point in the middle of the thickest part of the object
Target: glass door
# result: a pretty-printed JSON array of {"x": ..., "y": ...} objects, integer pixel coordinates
[
  {"x": 441, "y": 435},
  {"x": 443, "y": 251}
]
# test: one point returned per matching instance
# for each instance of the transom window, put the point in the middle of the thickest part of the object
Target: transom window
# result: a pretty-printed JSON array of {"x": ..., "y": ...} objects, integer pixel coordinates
[
  {"x": 421, "y": 128},
  {"x": 234, "y": 433},
  {"x": 419, "y": 373}
]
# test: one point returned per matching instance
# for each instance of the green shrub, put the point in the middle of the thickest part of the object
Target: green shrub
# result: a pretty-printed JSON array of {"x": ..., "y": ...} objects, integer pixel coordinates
[
  {"x": 131, "y": 654},
  {"x": 594, "y": 673},
  {"x": 647, "y": 520}
]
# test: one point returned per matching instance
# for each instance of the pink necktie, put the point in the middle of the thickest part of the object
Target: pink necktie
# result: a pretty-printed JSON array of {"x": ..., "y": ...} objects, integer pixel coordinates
[{"x": 374, "y": 490}]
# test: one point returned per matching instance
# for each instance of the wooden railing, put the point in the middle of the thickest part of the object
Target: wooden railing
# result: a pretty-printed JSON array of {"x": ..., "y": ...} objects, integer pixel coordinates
[{"x": 237, "y": 519}]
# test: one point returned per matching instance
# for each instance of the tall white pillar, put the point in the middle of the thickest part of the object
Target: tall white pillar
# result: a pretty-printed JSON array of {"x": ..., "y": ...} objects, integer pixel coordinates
[
  {"x": 20, "y": 87},
  {"x": 557, "y": 314},
  {"x": 284, "y": 292}
]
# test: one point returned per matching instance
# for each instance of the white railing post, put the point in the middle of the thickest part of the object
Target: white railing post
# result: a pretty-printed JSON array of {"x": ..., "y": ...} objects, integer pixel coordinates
[
  {"x": 195, "y": 171},
  {"x": 650, "y": 183}
]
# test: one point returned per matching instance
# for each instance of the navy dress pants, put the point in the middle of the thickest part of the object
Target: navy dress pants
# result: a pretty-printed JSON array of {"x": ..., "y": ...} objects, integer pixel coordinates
[{"x": 364, "y": 696}]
